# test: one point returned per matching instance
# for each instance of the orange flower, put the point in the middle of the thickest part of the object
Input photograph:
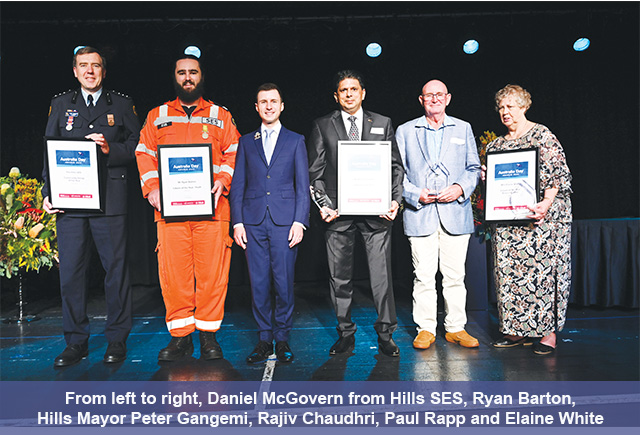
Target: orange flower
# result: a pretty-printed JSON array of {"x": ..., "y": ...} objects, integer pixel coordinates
[
  {"x": 19, "y": 223},
  {"x": 33, "y": 233}
]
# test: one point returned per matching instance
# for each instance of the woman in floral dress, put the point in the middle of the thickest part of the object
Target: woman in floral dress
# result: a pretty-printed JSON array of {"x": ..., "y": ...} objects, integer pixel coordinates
[{"x": 532, "y": 264}]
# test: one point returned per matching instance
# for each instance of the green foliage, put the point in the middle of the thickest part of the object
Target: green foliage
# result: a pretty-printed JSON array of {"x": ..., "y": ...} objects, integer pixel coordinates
[{"x": 28, "y": 238}]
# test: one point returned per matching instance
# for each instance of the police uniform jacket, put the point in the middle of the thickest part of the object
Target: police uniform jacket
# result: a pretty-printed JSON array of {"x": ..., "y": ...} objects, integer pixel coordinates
[{"x": 114, "y": 116}]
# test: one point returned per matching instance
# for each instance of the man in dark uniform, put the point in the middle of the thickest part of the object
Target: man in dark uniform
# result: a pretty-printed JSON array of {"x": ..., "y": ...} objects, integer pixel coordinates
[{"x": 109, "y": 119}]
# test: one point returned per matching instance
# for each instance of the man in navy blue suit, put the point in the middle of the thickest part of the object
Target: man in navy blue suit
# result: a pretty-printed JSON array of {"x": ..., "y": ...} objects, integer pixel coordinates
[{"x": 269, "y": 210}]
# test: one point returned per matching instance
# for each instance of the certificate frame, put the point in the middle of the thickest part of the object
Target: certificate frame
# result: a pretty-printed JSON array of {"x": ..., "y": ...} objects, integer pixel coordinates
[
  {"x": 75, "y": 174},
  {"x": 364, "y": 177},
  {"x": 186, "y": 180},
  {"x": 512, "y": 184}
]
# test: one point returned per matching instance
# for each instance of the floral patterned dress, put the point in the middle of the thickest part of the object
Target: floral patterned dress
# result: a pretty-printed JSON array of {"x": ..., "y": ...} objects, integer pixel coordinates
[{"x": 529, "y": 260}]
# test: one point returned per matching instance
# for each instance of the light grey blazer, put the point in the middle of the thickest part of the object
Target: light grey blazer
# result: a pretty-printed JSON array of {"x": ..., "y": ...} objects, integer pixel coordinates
[{"x": 459, "y": 155}]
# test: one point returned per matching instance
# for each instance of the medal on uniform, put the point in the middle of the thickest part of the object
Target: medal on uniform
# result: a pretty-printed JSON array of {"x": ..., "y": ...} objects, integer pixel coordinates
[
  {"x": 205, "y": 132},
  {"x": 110, "y": 120},
  {"x": 70, "y": 115}
]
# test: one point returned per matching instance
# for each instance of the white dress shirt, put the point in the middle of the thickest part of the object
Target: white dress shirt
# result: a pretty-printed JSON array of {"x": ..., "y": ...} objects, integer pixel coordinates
[
  {"x": 359, "y": 121},
  {"x": 96, "y": 96}
]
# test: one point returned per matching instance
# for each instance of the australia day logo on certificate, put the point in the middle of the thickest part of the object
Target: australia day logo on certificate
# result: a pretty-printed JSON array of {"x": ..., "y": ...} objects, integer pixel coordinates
[
  {"x": 364, "y": 163},
  {"x": 185, "y": 165},
  {"x": 73, "y": 158},
  {"x": 514, "y": 170}
]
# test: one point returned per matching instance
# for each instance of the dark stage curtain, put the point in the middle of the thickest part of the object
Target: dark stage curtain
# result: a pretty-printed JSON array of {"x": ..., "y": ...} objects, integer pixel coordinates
[
  {"x": 605, "y": 263},
  {"x": 604, "y": 256}
]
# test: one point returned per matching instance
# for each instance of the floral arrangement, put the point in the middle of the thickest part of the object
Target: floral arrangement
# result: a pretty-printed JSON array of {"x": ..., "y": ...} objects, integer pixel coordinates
[
  {"x": 27, "y": 233},
  {"x": 477, "y": 199}
]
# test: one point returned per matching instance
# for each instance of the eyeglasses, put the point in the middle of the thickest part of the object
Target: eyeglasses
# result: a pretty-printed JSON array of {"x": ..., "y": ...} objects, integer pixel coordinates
[{"x": 439, "y": 96}]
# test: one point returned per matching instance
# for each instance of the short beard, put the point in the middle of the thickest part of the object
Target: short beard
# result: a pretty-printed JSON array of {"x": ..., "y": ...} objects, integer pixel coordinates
[{"x": 189, "y": 96}]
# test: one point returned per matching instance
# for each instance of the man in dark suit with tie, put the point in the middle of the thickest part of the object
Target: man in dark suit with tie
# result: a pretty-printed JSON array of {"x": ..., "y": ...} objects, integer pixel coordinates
[
  {"x": 354, "y": 123},
  {"x": 269, "y": 210},
  {"x": 109, "y": 119}
]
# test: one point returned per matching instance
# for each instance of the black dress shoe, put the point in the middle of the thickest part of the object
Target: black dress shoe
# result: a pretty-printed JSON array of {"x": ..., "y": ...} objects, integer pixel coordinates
[
  {"x": 506, "y": 342},
  {"x": 72, "y": 354},
  {"x": 388, "y": 347},
  {"x": 543, "y": 349},
  {"x": 116, "y": 352},
  {"x": 260, "y": 353},
  {"x": 283, "y": 352},
  {"x": 177, "y": 348},
  {"x": 343, "y": 344},
  {"x": 209, "y": 347}
]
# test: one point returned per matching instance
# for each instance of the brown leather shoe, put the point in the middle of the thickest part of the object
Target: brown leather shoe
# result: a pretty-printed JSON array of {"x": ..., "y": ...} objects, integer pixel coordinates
[
  {"x": 462, "y": 338},
  {"x": 424, "y": 340}
]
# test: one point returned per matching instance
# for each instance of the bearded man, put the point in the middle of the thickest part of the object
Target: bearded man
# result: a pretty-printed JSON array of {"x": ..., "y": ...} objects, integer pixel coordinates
[{"x": 193, "y": 254}]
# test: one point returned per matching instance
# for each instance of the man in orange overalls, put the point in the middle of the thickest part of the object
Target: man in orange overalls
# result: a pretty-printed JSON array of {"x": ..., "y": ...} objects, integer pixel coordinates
[{"x": 193, "y": 254}]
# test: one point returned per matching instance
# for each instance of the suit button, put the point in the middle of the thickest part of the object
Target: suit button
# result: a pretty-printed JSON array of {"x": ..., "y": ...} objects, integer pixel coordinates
[
  {"x": 268, "y": 193},
  {"x": 90, "y": 125},
  {"x": 268, "y": 176}
]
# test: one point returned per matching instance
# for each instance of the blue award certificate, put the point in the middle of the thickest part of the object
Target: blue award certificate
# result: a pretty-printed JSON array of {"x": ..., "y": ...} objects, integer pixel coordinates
[
  {"x": 512, "y": 185},
  {"x": 74, "y": 174},
  {"x": 186, "y": 180},
  {"x": 364, "y": 177}
]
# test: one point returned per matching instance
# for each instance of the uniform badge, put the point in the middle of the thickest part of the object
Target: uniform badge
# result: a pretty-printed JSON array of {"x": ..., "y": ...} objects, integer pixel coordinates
[
  {"x": 213, "y": 121},
  {"x": 110, "y": 120},
  {"x": 71, "y": 115},
  {"x": 205, "y": 131}
]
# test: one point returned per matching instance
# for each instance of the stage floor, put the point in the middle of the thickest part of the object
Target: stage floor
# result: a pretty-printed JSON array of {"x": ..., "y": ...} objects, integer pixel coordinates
[{"x": 596, "y": 345}]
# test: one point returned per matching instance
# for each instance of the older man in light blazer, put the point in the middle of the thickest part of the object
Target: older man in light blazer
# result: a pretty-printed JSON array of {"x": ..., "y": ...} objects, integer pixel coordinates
[{"x": 441, "y": 172}]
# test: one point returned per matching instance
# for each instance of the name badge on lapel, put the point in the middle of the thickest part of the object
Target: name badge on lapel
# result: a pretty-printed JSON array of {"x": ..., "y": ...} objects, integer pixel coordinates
[
  {"x": 111, "y": 120},
  {"x": 377, "y": 130}
]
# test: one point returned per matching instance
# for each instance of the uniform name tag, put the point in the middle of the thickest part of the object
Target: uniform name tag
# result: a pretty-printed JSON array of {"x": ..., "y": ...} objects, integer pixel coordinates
[
  {"x": 213, "y": 121},
  {"x": 164, "y": 124}
]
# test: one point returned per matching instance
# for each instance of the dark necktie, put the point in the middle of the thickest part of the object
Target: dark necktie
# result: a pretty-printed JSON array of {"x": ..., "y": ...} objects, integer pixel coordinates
[
  {"x": 353, "y": 131},
  {"x": 90, "y": 103}
]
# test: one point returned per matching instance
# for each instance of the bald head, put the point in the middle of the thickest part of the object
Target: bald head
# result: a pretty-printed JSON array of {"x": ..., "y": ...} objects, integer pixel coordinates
[
  {"x": 434, "y": 99},
  {"x": 434, "y": 84}
]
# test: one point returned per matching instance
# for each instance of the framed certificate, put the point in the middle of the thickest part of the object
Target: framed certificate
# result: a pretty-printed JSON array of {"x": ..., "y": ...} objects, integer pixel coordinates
[
  {"x": 512, "y": 184},
  {"x": 364, "y": 177},
  {"x": 186, "y": 180},
  {"x": 74, "y": 174}
]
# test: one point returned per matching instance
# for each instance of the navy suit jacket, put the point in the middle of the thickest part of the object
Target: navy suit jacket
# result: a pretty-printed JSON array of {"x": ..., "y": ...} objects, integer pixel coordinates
[
  {"x": 323, "y": 168},
  {"x": 280, "y": 187},
  {"x": 114, "y": 116}
]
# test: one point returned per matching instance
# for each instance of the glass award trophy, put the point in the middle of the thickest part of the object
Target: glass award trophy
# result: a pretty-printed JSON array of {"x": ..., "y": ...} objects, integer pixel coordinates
[{"x": 437, "y": 179}]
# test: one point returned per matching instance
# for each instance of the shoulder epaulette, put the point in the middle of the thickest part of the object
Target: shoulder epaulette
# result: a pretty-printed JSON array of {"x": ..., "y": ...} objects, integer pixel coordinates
[
  {"x": 219, "y": 105},
  {"x": 120, "y": 94},
  {"x": 61, "y": 94}
]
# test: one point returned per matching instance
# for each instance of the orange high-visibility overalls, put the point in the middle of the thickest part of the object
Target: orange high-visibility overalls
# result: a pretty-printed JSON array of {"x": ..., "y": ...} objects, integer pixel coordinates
[{"x": 193, "y": 255}]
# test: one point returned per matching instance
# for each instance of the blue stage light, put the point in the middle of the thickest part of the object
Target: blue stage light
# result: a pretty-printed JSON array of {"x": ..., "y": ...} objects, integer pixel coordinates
[
  {"x": 75, "y": 50},
  {"x": 374, "y": 49},
  {"x": 193, "y": 51},
  {"x": 581, "y": 44},
  {"x": 471, "y": 46}
]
